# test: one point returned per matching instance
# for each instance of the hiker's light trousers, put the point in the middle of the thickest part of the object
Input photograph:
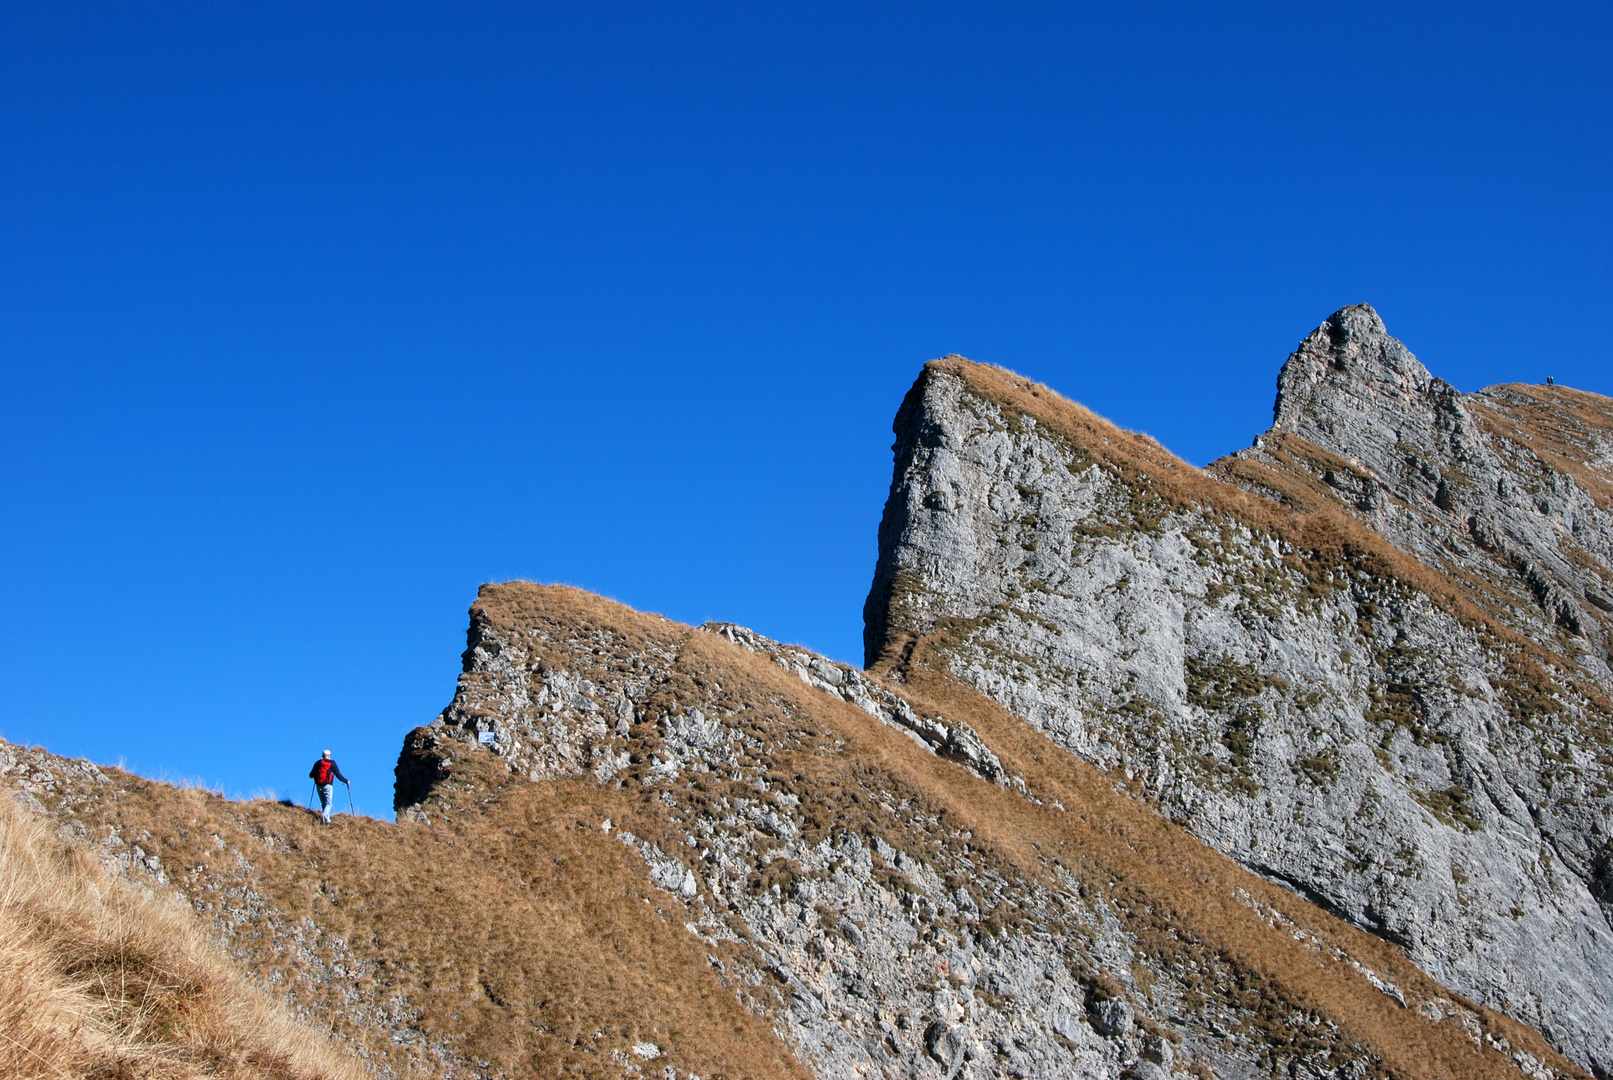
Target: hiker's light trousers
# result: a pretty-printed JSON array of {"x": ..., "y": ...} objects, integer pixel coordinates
[{"x": 326, "y": 794}]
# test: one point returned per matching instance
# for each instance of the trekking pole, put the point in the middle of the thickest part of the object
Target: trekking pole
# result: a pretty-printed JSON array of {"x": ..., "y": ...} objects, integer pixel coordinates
[
  {"x": 312, "y": 793},
  {"x": 350, "y": 800}
]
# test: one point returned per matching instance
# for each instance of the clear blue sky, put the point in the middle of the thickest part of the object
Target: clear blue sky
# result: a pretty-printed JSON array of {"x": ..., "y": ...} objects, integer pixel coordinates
[{"x": 314, "y": 318}]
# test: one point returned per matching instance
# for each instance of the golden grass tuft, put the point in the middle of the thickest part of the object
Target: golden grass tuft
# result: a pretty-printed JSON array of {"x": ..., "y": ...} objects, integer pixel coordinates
[{"x": 98, "y": 980}]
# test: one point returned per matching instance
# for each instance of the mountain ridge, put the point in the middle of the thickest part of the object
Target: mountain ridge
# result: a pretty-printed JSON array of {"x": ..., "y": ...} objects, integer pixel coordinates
[
  {"x": 1300, "y": 676},
  {"x": 1293, "y": 765}
]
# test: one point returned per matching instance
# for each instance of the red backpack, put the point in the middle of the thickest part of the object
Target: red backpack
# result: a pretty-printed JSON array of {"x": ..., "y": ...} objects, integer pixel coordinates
[{"x": 323, "y": 772}]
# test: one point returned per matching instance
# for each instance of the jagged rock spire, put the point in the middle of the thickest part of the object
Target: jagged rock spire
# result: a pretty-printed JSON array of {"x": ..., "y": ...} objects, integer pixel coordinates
[
  {"x": 1349, "y": 359},
  {"x": 1353, "y": 389}
]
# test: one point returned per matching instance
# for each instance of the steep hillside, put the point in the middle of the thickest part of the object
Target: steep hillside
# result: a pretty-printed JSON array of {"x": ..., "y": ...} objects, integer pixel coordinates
[
  {"x": 634, "y": 848},
  {"x": 519, "y": 941},
  {"x": 1366, "y": 658},
  {"x": 99, "y": 979},
  {"x": 1262, "y": 770},
  {"x": 908, "y": 881}
]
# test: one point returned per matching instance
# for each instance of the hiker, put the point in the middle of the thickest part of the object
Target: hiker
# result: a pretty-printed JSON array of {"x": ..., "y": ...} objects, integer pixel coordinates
[{"x": 324, "y": 774}]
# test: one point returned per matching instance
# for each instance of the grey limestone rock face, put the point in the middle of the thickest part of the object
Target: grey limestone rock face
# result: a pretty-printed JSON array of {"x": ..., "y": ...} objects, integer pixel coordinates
[
  {"x": 1469, "y": 481},
  {"x": 866, "y": 947},
  {"x": 1421, "y": 772},
  {"x": 864, "y": 990}
]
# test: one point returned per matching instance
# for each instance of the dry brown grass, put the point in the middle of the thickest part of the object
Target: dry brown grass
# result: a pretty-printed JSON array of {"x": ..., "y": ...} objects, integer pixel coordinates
[
  {"x": 1560, "y": 426},
  {"x": 523, "y": 941},
  {"x": 1185, "y": 902},
  {"x": 98, "y": 980}
]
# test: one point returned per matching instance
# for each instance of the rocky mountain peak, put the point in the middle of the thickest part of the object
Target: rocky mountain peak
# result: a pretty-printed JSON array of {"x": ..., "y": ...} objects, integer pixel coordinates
[
  {"x": 1351, "y": 348},
  {"x": 1352, "y": 388},
  {"x": 1453, "y": 479},
  {"x": 1382, "y": 679}
]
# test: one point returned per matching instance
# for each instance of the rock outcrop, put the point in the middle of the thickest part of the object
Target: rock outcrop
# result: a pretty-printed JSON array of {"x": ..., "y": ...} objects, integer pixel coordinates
[
  {"x": 905, "y": 880},
  {"x": 1503, "y": 484},
  {"x": 1366, "y": 658}
]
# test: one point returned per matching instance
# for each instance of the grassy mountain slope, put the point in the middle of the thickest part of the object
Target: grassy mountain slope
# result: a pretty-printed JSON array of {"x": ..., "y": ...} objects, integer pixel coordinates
[
  {"x": 98, "y": 978},
  {"x": 512, "y": 935},
  {"x": 518, "y": 941},
  {"x": 1241, "y": 975}
]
